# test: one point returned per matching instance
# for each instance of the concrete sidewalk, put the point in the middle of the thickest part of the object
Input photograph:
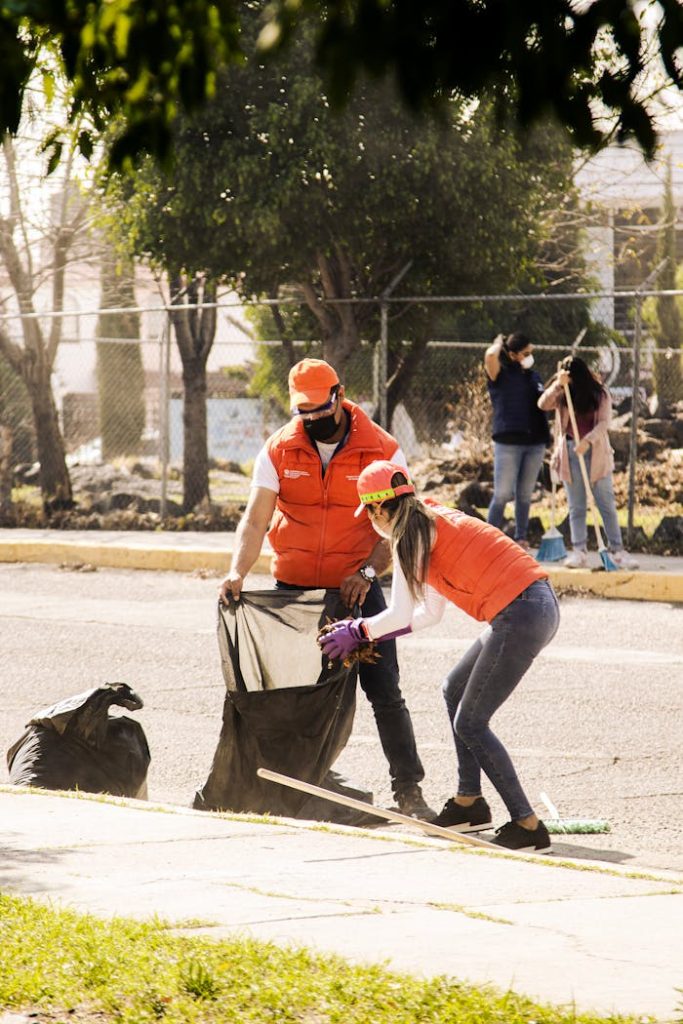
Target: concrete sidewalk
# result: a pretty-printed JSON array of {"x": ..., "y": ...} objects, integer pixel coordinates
[
  {"x": 592, "y": 938},
  {"x": 658, "y": 579}
]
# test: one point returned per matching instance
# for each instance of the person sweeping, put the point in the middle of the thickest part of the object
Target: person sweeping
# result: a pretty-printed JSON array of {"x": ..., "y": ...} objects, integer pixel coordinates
[
  {"x": 440, "y": 556},
  {"x": 585, "y": 410}
]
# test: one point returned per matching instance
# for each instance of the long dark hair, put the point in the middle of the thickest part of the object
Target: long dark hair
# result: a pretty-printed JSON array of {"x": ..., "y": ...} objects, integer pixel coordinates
[
  {"x": 515, "y": 342},
  {"x": 411, "y": 535},
  {"x": 585, "y": 388}
]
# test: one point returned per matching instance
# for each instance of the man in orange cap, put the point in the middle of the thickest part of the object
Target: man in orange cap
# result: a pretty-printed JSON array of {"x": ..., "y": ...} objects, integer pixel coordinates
[{"x": 304, "y": 489}]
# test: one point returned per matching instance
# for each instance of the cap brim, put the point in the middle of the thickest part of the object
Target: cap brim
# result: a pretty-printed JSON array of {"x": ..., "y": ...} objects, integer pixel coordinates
[{"x": 318, "y": 396}]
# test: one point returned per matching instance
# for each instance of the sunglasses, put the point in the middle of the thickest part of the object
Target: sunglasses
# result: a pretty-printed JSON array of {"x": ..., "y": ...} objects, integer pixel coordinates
[{"x": 308, "y": 415}]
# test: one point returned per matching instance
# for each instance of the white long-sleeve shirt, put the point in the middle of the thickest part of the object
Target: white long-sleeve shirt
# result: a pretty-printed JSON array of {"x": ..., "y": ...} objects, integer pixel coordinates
[{"x": 403, "y": 610}]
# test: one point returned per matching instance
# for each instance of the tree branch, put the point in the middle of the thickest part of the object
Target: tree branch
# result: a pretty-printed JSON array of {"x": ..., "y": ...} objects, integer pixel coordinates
[
  {"x": 13, "y": 353},
  {"x": 319, "y": 311},
  {"x": 16, "y": 211},
  {"x": 22, "y": 285},
  {"x": 287, "y": 345}
]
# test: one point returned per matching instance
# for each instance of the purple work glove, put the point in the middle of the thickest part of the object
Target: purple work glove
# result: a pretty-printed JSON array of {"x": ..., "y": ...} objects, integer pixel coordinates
[
  {"x": 343, "y": 638},
  {"x": 392, "y": 636}
]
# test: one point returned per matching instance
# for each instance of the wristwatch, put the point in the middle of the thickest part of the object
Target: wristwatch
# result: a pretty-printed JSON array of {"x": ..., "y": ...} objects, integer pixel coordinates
[{"x": 368, "y": 572}]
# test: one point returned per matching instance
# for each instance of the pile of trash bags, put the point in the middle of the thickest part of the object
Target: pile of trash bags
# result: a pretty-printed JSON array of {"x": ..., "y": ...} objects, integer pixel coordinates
[
  {"x": 77, "y": 744},
  {"x": 286, "y": 708}
]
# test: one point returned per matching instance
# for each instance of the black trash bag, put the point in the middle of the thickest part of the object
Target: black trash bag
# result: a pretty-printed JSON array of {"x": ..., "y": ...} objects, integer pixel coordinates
[
  {"x": 286, "y": 708},
  {"x": 75, "y": 744}
]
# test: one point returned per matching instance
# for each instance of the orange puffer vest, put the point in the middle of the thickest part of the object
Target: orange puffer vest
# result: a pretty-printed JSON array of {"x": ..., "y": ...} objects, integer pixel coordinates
[
  {"x": 476, "y": 566},
  {"x": 316, "y": 538}
]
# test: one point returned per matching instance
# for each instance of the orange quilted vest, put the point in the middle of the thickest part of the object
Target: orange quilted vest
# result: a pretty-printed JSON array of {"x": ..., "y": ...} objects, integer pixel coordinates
[
  {"x": 476, "y": 566},
  {"x": 315, "y": 537}
]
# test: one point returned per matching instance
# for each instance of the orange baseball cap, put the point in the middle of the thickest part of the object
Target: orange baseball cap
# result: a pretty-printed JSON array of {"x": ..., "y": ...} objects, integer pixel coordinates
[
  {"x": 374, "y": 484},
  {"x": 310, "y": 382}
]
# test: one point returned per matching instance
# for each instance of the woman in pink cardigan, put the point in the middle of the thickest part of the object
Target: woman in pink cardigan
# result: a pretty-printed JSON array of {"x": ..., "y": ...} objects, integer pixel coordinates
[{"x": 593, "y": 408}]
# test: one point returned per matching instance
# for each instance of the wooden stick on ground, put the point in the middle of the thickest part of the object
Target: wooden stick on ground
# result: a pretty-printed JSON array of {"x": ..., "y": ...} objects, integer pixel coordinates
[{"x": 379, "y": 812}]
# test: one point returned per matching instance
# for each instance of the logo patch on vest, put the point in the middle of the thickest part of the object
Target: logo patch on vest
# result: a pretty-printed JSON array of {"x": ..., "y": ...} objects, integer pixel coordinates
[
  {"x": 350, "y": 477},
  {"x": 294, "y": 474}
]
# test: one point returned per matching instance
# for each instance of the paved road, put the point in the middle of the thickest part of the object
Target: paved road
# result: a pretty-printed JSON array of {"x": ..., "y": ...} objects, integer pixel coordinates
[{"x": 597, "y": 723}]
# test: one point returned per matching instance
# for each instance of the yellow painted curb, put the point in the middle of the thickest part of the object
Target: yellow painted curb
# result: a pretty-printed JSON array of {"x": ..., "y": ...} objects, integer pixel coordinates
[
  {"x": 631, "y": 586},
  {"x": 130, "y": 556}
]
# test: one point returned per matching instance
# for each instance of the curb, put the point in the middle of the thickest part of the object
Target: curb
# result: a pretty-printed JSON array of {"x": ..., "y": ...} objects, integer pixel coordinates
[
  {"x": 629, "y": 586},
  {"x": 123, "y": 556},
  {"x": 632, "y": 586}
]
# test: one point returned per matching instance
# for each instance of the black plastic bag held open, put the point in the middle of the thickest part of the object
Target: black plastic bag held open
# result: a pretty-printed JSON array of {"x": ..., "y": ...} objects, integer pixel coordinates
[{"x": 285, "y": 708}]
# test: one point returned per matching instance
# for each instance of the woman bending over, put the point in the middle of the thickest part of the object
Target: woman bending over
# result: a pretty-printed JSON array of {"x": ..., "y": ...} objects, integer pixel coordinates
[{"x": 441, "y": 555}]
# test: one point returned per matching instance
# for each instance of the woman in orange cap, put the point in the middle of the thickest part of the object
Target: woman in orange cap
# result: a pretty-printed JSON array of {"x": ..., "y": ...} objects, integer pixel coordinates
[{"x": 443, "y": 555}]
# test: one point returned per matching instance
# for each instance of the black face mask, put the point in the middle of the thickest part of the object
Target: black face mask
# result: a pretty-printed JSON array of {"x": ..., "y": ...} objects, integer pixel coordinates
[{"x": 322, "y": 429}]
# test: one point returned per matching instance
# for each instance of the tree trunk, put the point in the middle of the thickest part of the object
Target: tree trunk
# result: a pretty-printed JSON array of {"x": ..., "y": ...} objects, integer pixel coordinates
[
  {"x": 339, "y": 344},
  {"x": 400, "y": 380},
  {"x": 195, "y": 435},
  {"x": 195, "y": 330},
  {"x": 6, "y": 443},
  {"x": 55, "y": 484}
]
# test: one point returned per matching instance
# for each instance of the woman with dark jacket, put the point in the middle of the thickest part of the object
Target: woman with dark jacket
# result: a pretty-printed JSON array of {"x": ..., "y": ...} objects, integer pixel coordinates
[{"x": 520, "y": 429}]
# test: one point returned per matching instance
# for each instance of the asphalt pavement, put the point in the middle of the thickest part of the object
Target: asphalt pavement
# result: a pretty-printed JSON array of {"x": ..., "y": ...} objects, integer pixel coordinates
[{"x": 596, "y": 926}]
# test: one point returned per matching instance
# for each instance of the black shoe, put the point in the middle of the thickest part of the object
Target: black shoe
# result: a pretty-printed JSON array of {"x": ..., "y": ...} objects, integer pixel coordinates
[
  {"x": 512, "y": 836},
  {"x": 465, "y": 819},
  {"x": 411, "y": 802}
]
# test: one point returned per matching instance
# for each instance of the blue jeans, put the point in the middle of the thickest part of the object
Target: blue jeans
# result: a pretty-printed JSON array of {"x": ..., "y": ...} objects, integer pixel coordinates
[
  {"x": 515, "y": 472},
  {"x": 484, "y": 678},
  {"x": 603, "y": 492},
  {"x": 380, "y": 684}
]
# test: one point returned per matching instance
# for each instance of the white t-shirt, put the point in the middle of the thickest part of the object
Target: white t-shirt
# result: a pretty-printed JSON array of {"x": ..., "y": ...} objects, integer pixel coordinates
[{"x": 265, "y": 473}]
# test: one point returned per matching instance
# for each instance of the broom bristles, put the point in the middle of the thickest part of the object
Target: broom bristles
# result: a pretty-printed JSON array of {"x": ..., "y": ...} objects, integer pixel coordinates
[
  {"x": 608, "y": 564},
  {"x": 577, "y": 826},
  {"x": 552, "y": 547}
]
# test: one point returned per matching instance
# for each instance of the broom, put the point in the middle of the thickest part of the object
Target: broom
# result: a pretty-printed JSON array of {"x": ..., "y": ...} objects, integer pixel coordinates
[
  {"x": 608, "y": 564},
  {"x": 571, "y": 826},
  {"x": 551, "y": 548}
]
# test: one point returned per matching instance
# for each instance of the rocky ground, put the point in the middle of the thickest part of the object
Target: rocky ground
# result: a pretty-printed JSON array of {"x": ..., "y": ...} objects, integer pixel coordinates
[{"x": 127, "y": 495}]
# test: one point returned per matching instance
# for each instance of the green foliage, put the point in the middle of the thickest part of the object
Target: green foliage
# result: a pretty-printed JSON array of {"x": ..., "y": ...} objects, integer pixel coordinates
[
  {"x": 279, "y": 195},
  {"x": 144, "y": 61},
  {"x": 126, "y": 972},
  {"x": 141, "y": 59},
  {"x": 553, "y": 56},
  {"x": 120, "y": 373}
]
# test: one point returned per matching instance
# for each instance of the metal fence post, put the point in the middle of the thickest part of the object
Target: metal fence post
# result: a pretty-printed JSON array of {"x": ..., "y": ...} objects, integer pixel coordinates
[
  {"x": 383, "y": 364},
  {"x": 382, "y": 361},
  {"x": 164, "y": 395},
  {"x": 635, "y": 399}
]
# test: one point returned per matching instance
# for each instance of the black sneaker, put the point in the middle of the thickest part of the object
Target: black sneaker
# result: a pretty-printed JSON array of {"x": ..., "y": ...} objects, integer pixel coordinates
[
  {"x": 410, "y": 801},
  {"x": 465, "y": 819},
  {"x": 512, "y": 836}
]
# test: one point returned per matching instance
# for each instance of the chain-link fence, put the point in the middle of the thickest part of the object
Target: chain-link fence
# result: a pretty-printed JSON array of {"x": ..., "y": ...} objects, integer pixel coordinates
[{"x": 121, "y": 392}]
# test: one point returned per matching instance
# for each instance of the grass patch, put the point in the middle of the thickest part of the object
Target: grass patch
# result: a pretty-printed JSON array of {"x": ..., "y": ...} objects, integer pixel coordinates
[{"x": 56, "y": 962}]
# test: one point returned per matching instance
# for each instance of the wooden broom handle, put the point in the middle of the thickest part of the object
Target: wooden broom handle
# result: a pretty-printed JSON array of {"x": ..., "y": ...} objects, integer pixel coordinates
[
  {"x": 379, "y": 812},
  {"x": 582, "y": 464}
]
